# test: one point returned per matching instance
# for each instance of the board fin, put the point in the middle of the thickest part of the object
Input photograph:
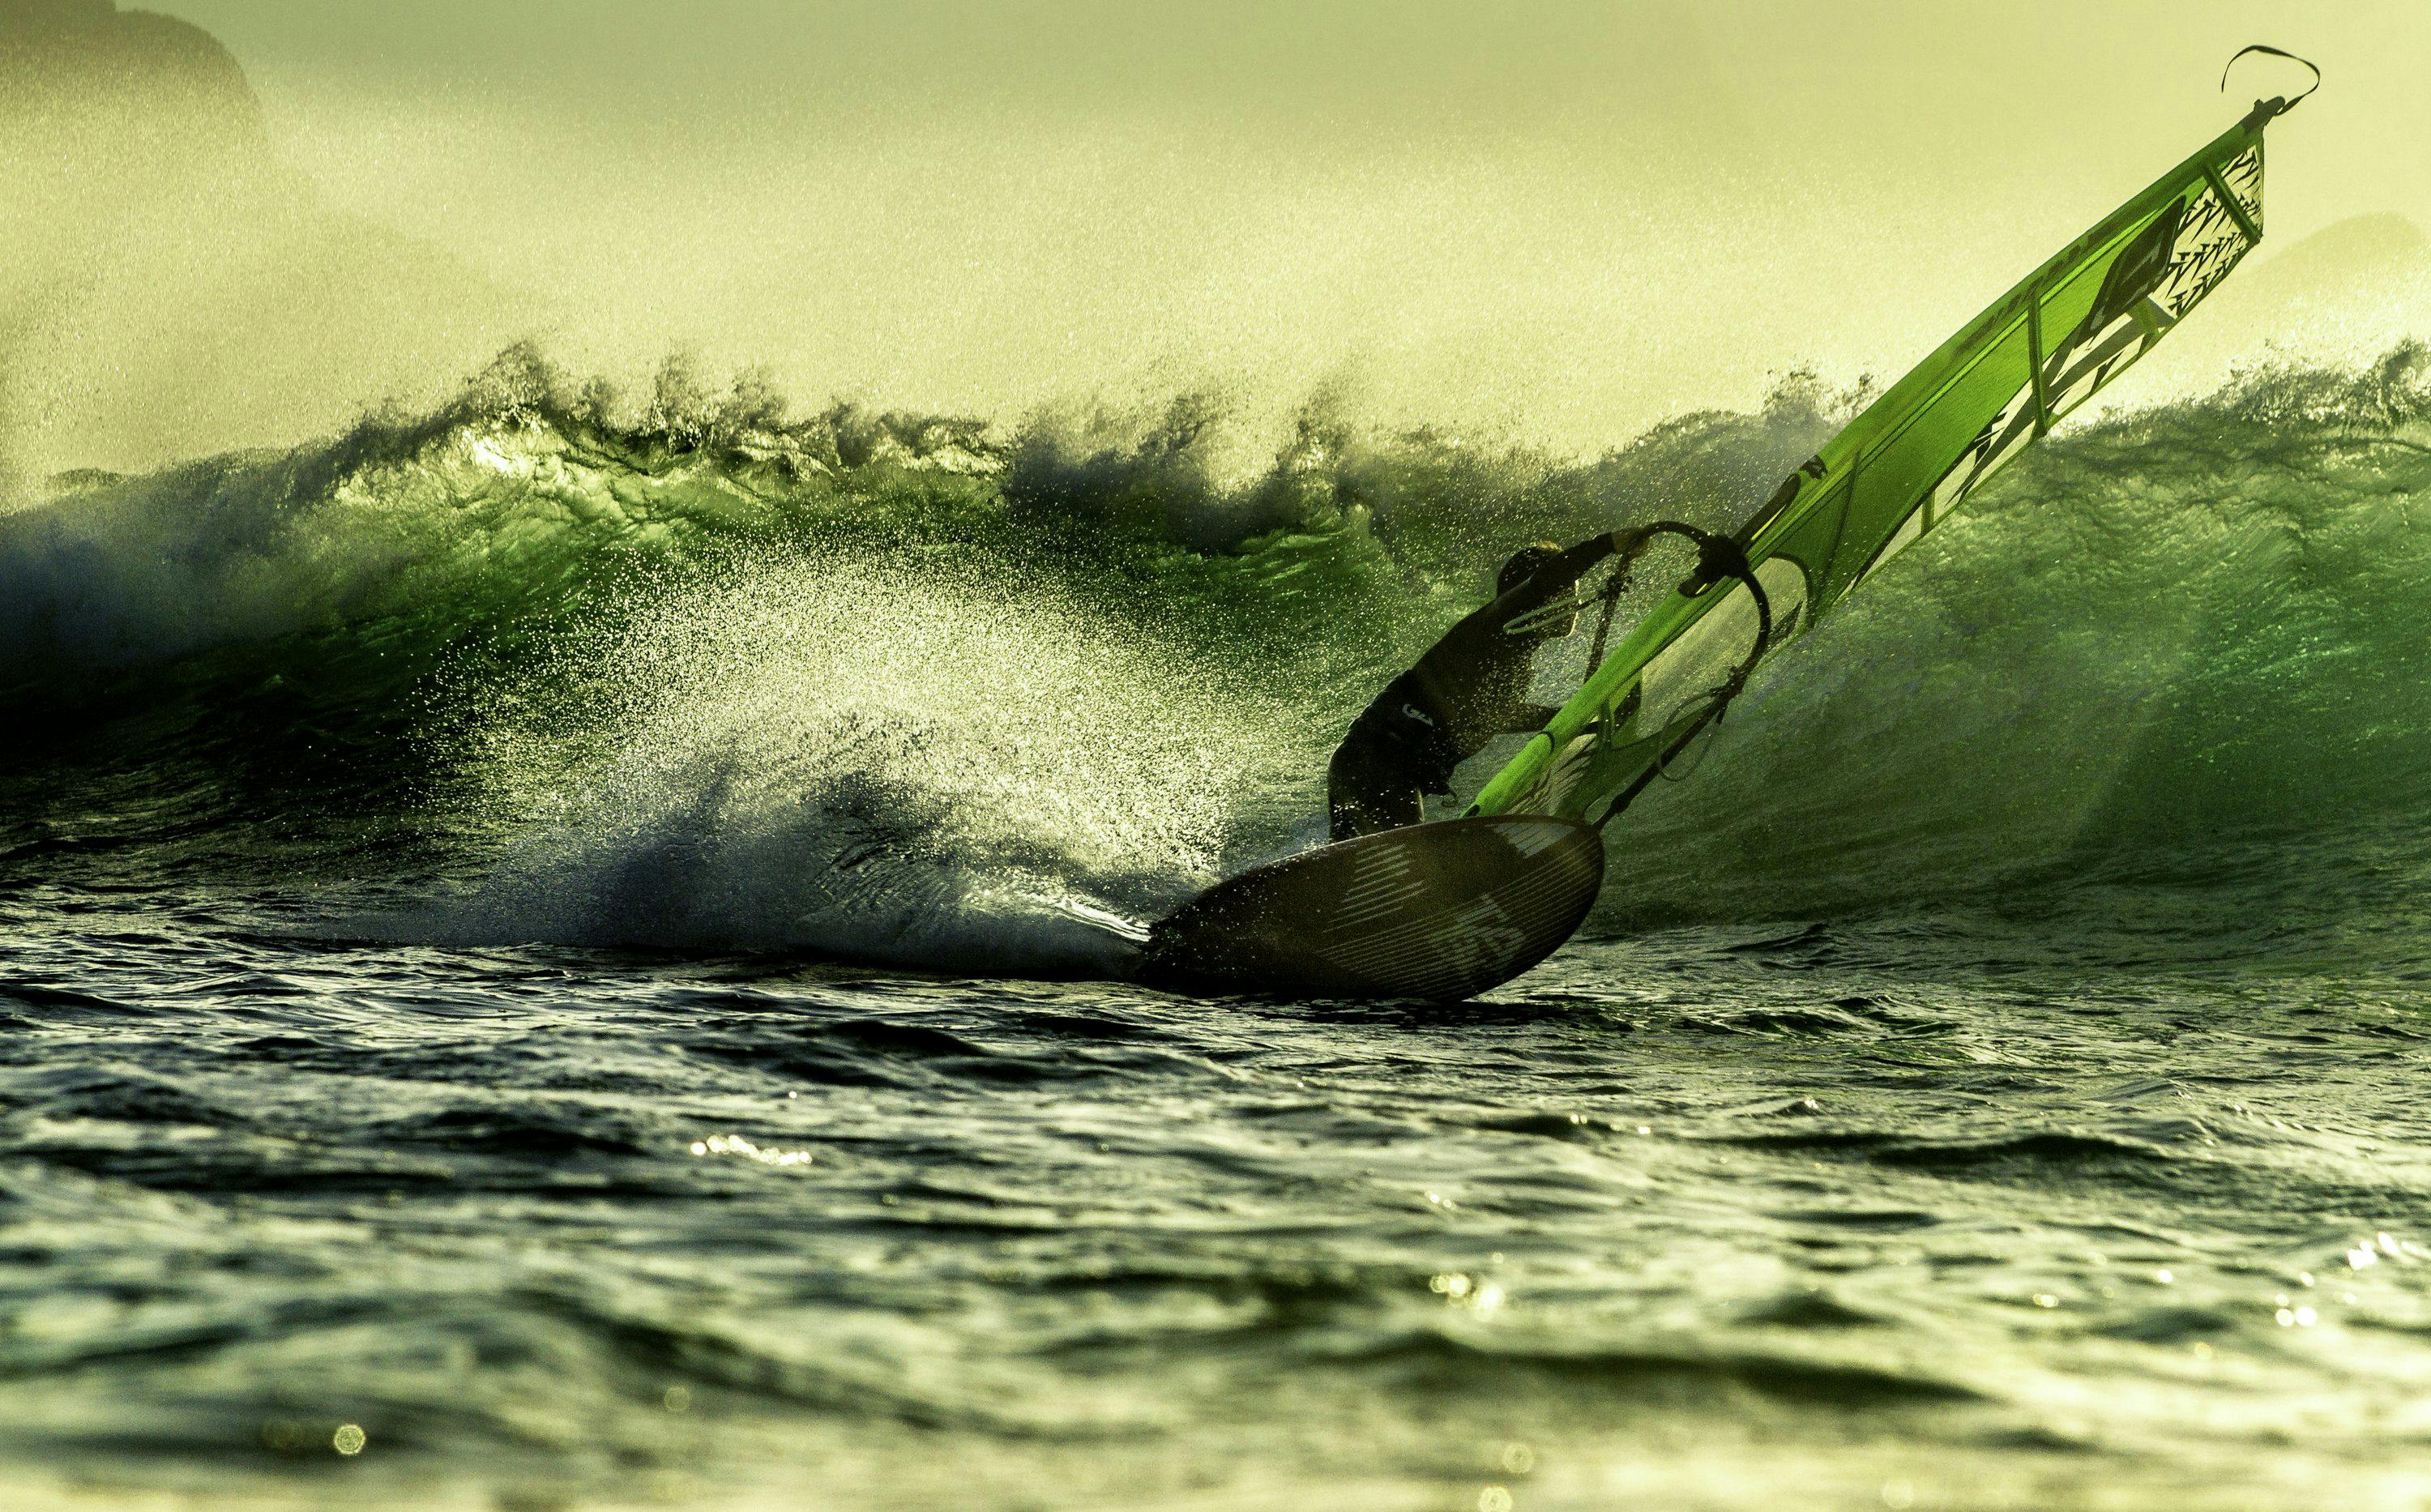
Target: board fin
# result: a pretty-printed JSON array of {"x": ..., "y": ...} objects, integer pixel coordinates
[{"x": 1438, "y": 911}]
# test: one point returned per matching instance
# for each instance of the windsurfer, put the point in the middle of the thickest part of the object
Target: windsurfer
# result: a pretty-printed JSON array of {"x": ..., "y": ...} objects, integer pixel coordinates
[{"x": 1470, "y": 688}]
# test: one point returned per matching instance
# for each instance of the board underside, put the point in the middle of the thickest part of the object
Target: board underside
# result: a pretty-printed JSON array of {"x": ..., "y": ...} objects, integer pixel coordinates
[{"x": 1437, "y": 910}]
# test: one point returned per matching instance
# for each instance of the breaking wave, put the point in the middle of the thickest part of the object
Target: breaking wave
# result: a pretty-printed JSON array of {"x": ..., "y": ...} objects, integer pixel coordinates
[{"x": 684, "y": 670}]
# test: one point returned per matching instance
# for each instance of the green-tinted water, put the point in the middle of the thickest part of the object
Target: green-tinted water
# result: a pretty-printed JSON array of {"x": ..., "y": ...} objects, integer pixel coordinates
[{"x": 1990, "y": 1082}]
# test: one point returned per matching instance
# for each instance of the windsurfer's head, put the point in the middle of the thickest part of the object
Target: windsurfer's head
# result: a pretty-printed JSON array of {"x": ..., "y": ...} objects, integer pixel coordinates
[{"x": 1525, "y": 564}]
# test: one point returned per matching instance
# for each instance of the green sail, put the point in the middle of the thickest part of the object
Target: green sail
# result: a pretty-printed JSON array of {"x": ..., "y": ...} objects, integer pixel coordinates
[{"x": 1899, "y": 470}]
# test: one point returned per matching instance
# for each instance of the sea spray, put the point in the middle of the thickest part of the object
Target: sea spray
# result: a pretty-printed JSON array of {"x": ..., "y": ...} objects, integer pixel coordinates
[{"x": 908, "y": 760}]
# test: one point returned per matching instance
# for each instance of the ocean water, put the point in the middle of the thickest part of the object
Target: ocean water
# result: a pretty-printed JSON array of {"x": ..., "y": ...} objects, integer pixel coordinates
[{"x": 555, "y": 958}]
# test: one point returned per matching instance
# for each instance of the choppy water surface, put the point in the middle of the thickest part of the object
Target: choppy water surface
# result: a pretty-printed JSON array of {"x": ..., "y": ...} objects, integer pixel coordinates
[{"x": 430, "y": 1076}]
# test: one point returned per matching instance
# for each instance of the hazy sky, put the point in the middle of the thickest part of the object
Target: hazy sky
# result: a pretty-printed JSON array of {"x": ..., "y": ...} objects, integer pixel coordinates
[{"x": 1562, "y": 220}]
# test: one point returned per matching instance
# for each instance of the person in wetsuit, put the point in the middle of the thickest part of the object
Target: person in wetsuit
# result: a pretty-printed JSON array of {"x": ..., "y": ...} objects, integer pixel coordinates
[{"x": 1470, "y": 688}]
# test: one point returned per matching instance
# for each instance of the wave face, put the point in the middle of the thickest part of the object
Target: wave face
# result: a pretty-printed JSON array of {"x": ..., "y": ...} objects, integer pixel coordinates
[
  {"x": 550, "y": 664},
  {"x": 2177, "y": 647}
]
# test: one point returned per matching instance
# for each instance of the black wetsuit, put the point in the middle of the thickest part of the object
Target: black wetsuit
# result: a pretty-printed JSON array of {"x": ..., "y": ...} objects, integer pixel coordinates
[{"x": 1470, "y": 688}]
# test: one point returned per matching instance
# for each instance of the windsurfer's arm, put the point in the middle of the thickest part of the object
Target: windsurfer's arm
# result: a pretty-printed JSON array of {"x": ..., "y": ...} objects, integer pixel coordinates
[
  {"x": 1566, "y": 569},
  {"x": 1554, "y": 579},
  {"x": 1563, "y": 570}
]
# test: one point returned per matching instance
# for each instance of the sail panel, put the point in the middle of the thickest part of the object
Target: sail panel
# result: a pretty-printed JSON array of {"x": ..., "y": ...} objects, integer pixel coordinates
[{"x": 1909, "y": 461}]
